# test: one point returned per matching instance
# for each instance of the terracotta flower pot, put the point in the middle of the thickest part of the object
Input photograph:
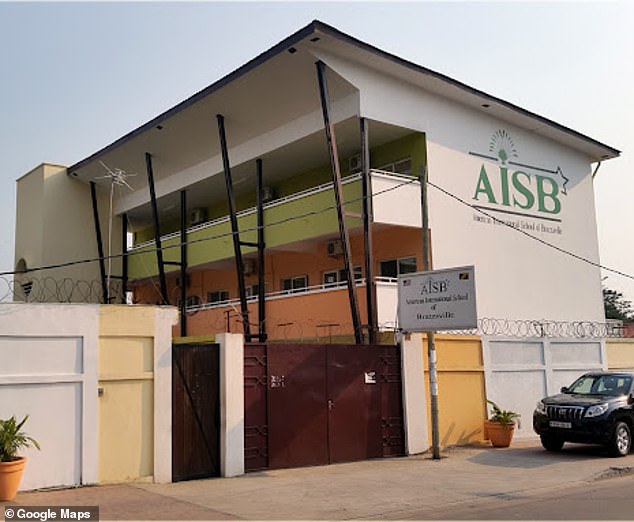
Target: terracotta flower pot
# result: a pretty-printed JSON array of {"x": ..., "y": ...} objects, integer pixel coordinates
[
  {"x": 10, "y": 476},
  {"x": 499, "y": 434}
]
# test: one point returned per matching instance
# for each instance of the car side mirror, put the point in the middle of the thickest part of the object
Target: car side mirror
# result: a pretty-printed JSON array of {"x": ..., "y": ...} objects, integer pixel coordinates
[
  {"x": 630, "y": 398},
  {"x": 564, "y": 389}
]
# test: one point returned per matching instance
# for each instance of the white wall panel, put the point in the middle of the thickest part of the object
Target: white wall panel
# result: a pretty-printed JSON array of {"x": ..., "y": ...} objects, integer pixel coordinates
[
  {"x": 519, "y": 372},
  {"x": 566, "y": 353},
  {"x": 54, "y": 411},
  {"x": 40, "y": 355},
  {"x": 392, "y": 206},
  {"x": 516, "y": 353},
  {"x": 48, "y": 370}
]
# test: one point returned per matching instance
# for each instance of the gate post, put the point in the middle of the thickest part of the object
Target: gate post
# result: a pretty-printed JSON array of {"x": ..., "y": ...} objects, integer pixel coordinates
[
  {"x": 415, "y": 423},
  {"x": 231, "y": 404}
]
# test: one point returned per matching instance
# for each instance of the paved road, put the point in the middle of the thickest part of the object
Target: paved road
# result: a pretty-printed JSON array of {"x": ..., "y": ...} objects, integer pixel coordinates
[
  {"x": 611, "y": 499},
  {"x": 521, "y": 482}
]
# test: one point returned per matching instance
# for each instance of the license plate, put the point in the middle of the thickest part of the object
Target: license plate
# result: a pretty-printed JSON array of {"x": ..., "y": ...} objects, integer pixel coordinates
[{"x": 558, "y": 424}]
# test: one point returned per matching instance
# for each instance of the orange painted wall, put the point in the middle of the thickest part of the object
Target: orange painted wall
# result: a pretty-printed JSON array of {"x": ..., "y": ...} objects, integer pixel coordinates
[{"x": 307, "y": 311}]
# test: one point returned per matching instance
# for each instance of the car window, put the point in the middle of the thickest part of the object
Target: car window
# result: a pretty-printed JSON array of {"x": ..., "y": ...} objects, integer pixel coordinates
[
  {"x": 614, "y": 385},
  {"x": 582, "y": 385},
  {"x": 602, "y": 384}
]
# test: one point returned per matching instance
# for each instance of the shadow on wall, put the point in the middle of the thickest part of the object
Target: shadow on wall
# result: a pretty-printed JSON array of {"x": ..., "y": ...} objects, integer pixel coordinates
[{"x": 463, "y": 439}]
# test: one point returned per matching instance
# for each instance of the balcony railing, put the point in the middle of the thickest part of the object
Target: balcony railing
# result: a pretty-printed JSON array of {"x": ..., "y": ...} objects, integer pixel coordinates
[
  {"x": 251, "y": 211},
  {"x": 386, "y": 298},
  {"x": 394, "y": 181},
  {"x": 301, "y": 216}
]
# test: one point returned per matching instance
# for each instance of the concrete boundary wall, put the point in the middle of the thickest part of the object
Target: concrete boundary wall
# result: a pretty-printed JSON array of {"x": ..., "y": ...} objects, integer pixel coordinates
[
  {"x": 52, "y": 377},
  {"x": 519, "y": 372},
  {"x": 415, "y": 424},
  {"x": 53, "y": 360},
  {"x": 135, "y": 403},
  {"x": 231, "y": 404},
  {"x": 461, "y": 389},
  {"x": 620, "y": 353}
]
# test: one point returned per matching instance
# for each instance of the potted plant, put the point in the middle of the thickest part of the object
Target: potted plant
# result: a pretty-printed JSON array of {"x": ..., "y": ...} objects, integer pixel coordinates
[
  {"x": 12, "y": 439},
  {"x": 500, "y": 426}
]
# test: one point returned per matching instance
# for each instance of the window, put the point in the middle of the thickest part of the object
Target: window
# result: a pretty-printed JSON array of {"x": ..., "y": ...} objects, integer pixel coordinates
[
  {"x": 337, "y": 277},
  {"x": 192, "y": 300},
  {"x": 399, "y": 167},
  {"x": 253, "y": 290},
  {"x": 218, "y": 296},
  {"x": 295, "y": 284},
  {"x": 395, "y": 267}
]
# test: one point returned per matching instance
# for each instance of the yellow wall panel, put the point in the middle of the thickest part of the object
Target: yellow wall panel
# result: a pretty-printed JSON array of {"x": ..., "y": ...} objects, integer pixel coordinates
[
  {"x": 126, "y": 402},
  {"x": 126, "y": 320},
  {"x": 126, "y": 425},
  {"x": 461, "y": 389},
  {"x": 620, "y": 353},
  {"x": 125, "y": 356}
]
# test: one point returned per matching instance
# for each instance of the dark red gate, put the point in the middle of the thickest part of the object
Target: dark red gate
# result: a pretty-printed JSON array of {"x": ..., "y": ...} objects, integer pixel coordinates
[
  {"x": 319, "y": 404},
  {"x": 195, "y": 411}
]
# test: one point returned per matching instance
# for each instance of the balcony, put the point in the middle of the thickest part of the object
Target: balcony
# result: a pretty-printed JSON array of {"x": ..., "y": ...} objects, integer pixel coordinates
[
  {"x": 320, "y": 311},
  {"x": 305, "y": 215}
]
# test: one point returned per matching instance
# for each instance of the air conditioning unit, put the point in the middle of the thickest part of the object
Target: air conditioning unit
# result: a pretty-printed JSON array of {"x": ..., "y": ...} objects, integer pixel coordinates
[
  {"x": 268, "y": 194},
  {"x": 248, "y": 266},
  {"x": 334, "y": 248},
  {"x": 197, "y": 215},
  {"x": 355, "y": 163}
]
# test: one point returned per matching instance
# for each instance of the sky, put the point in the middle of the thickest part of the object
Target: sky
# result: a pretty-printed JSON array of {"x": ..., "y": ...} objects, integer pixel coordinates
[{"x": 76, "y": 76}]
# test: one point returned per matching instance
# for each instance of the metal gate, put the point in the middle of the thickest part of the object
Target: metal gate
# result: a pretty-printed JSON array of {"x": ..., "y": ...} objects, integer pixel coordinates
[
  {"x": 195, "y": 411},
  {"x": 320, "y": 404}
]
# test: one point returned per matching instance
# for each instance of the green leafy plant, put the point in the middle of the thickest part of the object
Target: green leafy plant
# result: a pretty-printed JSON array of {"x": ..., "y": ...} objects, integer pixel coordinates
[
  {"x": 506, "y": 417},
  {"x": 12, "y": 439}
]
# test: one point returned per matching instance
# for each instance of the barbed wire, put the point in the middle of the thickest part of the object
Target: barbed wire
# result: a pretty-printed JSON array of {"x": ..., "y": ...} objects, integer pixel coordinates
[
  {"x": 67, "y": 290},
  {"x": 51, "y": 290},
  {"x": 536, "y": 328}
]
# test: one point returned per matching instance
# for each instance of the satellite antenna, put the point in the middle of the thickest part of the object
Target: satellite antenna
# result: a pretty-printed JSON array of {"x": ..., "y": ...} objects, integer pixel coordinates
[{"x": 117, "y": 177}]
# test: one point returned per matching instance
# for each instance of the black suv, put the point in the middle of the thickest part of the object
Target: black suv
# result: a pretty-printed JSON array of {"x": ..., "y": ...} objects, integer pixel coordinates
[{"x": 597, "y": 409}]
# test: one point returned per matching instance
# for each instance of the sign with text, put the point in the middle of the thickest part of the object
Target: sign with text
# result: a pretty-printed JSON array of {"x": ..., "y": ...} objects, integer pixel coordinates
[{"x": 437, "y": 300}]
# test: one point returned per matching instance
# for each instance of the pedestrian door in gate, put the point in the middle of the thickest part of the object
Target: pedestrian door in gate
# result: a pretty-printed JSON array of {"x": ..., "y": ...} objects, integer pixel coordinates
[
  {"x": 195, "y": 411},
  {"x": 322, "y": 404}
]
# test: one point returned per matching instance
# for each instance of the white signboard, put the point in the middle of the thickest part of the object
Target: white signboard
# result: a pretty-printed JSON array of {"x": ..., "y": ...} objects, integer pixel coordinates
[{"x": 437, "y": 300}]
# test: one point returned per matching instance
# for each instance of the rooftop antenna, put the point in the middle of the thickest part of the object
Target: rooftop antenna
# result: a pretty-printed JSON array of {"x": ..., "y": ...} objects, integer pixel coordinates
[{"x": 117, "y": 177}]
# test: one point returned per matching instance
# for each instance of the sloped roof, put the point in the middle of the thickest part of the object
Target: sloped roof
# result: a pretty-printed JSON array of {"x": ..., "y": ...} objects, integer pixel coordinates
[{"x": 271, "y": 62}]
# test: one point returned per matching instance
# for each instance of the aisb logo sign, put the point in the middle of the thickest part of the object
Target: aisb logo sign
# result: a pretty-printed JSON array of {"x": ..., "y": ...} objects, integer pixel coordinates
[{"x": 506, "y": 185}]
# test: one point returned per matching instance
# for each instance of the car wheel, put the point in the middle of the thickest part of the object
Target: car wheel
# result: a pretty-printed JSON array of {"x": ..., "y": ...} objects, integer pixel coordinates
[
  {"x": 621, "y": 441},
  {"x": 552, "y": 443}
]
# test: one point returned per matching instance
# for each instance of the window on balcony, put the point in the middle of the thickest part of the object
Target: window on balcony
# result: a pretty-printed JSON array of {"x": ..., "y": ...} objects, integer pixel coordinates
[
  {"x": 295, "y": 284},
  {"x": 192, "y": 300},
  {"x": 218, "y": 296},
  {"x": 253, "y": 290},
  {"x": 395, "y": 267},
  {"x": 338, "y": 277},
  {"x": 403, "y": 166}
]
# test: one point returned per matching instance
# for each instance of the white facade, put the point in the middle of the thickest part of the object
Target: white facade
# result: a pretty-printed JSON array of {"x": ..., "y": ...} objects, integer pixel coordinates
[{"x": 548, "y": 194}]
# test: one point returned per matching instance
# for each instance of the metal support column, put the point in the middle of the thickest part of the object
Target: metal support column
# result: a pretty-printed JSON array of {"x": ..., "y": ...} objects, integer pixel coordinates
[
  {"x": 431, "y": 340},
  {"x": 261, "y": 272},
  {"x": 124, "y": 257},
  {"x": 157, "y": 231},
  {"x": 234, "y": 228},
  {"x": 336, "y": 175},
  {"x": 183, "y": 264},
  {"x": 102, "y": 265},
  {"x": 368, "y": 218}
]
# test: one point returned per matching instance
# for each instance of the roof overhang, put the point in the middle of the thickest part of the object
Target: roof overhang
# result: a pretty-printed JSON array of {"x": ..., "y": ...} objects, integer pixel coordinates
[{"x": 279, "y": 87}]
